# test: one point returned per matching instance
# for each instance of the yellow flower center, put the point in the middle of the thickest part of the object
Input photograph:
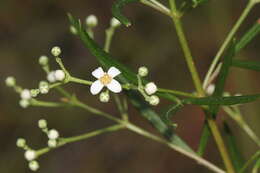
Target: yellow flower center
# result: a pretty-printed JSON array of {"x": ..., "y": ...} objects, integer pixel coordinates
[{"x": 106, "y": 79}]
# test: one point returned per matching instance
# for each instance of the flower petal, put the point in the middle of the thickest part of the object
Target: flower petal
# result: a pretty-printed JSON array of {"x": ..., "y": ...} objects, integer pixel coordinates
[
  {"x": 98, "y": 73},
  {"x": 113, "y": 72},
  {"x": 114, "y": 86},
  {"x": 96, "y": 87}
]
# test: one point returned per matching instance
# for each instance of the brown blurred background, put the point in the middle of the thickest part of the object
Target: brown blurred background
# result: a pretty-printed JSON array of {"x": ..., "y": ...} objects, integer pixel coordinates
[{"x": 30, "y": 28}]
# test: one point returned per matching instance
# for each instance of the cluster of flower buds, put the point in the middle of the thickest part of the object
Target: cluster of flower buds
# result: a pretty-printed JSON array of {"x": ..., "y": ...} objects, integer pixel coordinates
[
  {"x": 30, "y": 154},
  {"x": 149, "y": 89}
]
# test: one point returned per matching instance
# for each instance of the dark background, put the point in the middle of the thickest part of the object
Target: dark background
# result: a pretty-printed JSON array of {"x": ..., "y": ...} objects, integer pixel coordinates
[{"x": 30, "y": 28}]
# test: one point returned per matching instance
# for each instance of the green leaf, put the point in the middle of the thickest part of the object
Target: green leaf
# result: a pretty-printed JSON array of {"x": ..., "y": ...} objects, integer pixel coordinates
[
  {"x": 188, "y": 5},
  {"x": 127, "y": 76},
  {"x": 251, "y": 65},
  {"x": 204, "y": 139},
  {"x": 230, "y": 100},
  {"x": 248, "y": 36},
  {"x": 235, "y": 154},
  {"x": 117, "y": 8}
]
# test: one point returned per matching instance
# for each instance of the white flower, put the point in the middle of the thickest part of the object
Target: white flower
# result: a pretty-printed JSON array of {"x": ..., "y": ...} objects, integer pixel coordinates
[
  {"x": 30, "y": 155},
  {"x": 34, "y": 165},
  {"x": 143, "y": 71},
  {"x": 115, "y": 23},
  {"x": 52, "y": 143},
  {"x": 10, "y": 81},
  {"x": 51, "y": 77},
  {"x": 56, "y": 51},
  {"x": 91, "y": 21},
  {"x": 150, "y": 88},
  {"x": 210, "y": 89},
  {"x": 104, "y": 97},
  {"x": 154, "y": 100},
  {"x": 26, "y": 94},
  {"x": 24, "y": 103},
  {"x": 53, "y": 134},
  {"x": 105, "y": 79},
  {"x": 59, "y": 75}
]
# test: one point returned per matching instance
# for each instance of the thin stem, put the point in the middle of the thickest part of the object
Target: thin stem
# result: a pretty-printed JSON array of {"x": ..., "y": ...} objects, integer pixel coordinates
[
  {"x": 179, "y": 93},
  {"x": 186, "y": 49},
  {"x": 228, "y": 39},
  {"x": 199, "y": 88},
  {"x": 64, "y": 141},
  {"x": 157, "y": 6},
  {"x": 39, "y": 103},
  {"x": 251, "y": 160},
  {"x": 236, "y": 116}
]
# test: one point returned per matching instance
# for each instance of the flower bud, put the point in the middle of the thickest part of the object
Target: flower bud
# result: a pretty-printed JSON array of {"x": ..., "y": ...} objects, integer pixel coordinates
[
  {"x": 43, "y": 60},
  {"x": 91, "y": 21},
  {"x": 30, "y": 155},
  {"x": 52, "y": 143},
  {"x": 44, "y": 87},
  {"x": 34, "y": 165},
  {"x": 73, "y": 30},
  {"x": 21, "y": 142},
  {"x": 104, "y": 97},
  {"x": 51, "y": 77},
  {"x": 42, "y": 124},
  {"x": 10, "y": 81},
  {"x": 59, "y": 75},
  {"x": 150, "y": 88},
  {"x": 210, "y": 89},
  {"x": 154, "y": 100},
  {"x": 53, "y": 134},
  {"x": 24, "y": 103},
  {"x": 143, "y": 71},
  {"x": 34, "y": 92},
  {"x": 56, "y": 51},
  {"x": 26, "y": 94},
  {"x": 115, "y": 23}
]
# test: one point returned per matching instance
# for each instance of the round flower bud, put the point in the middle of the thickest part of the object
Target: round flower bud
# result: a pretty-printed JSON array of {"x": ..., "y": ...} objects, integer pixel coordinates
[
  {"x": 24, "y": 103},
  {"x": 34, "y": 92},
  {"x": 150, "y": 88},
  {"x": 30, "y": 155},
  {"x": 210, "y": 89},
  {"x": 115, "y": 23},
  {"x": 52, "y": 143},
  {"x": 73, "y": 30},
  {"x": 59, "y": 75},
  {"x": 104, "y": 97},
  {"x": 53, "y": 134},
  {"x": 26, "y": 94},
  {"x": 91, "y": 21},
  {"x": 56, "y": 51},
  {"x": 34, "y": 165},
  {"x": 51, "y": 77},
  {"x": 143, "y": 71},
  {"x": 42, "y": 124},
  {"x": 44, "y": 87},
  {"x": 43, "y": 60},
  {"x": 10, "y": 81},
  {"x": 154, "y": 100},
  {"x": 21, "y": 142}
]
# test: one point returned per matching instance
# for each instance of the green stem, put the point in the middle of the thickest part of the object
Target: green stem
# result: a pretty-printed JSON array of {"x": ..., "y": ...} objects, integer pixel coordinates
[
  {"x": 64, "y": 141},
  {"x": 228, "y": 39},
  {"x": 186, "y": 49},
  {"x": 157, "y": 6},
  {"x": 35, "y": 102},
  {"x": 175, "y": 92},
  {"x": 251, "y": 160},
  {"x": 199, "y": 88}
]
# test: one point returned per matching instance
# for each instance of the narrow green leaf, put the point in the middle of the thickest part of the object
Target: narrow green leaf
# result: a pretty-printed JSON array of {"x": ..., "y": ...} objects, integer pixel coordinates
[
  {"x": 230, "y": 100},
  {"x": 127, "y": 76},
  {"x": 236, "y": 156},
  {"x": 204, "y": 139},
  {"x": 251, "y": 65},
  {"x": 248, "y": 36},
  {"x": 117, "y": 8}
]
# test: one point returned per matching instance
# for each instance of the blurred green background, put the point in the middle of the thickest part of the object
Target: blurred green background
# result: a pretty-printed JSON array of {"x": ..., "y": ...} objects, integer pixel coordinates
[{"x": 30, "y": 28}]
